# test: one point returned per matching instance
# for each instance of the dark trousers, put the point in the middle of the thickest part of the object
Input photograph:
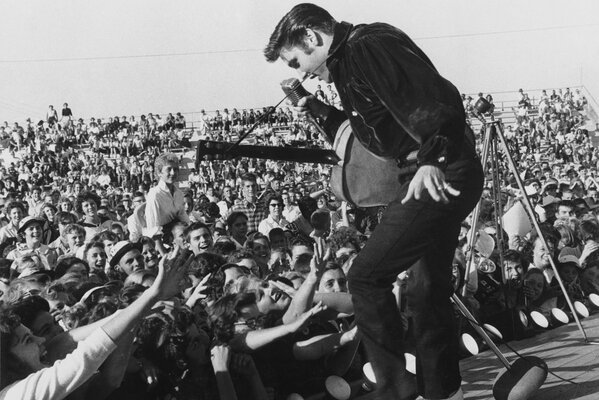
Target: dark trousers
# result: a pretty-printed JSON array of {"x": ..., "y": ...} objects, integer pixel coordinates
[{"x": 423, "y": 235}]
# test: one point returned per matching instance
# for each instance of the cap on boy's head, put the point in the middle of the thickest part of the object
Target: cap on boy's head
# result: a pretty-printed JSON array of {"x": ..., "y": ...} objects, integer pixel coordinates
[
  {"x": 569, "y": 259},
  {"x": 120, "y": 249},
  {"x": 27, "y": 221}
]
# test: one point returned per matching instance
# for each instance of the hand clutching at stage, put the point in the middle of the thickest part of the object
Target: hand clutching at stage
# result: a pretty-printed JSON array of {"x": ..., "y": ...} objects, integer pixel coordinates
[{"x": 431, "y": 178}]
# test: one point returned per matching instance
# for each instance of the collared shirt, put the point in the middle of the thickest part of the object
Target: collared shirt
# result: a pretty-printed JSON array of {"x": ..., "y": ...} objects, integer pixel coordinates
[
  {"x": 59, "y": 246},
  {"x": 269, "y": 223},
  {"x": 163, "y": 207},
  {"x": 7, "y": 232},
  {"x": 254, "y": 213},
  {"x": 395, "y": 99},
  {"x": 35, "y": 208},
  {"x": 47, "y": 255}
]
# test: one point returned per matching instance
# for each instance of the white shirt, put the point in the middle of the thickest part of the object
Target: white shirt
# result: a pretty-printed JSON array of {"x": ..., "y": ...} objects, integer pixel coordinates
[
  {"x": 66, "y": 375},
  {"x": 163, "y": 207},
  {"x": 269, "y": 223}
]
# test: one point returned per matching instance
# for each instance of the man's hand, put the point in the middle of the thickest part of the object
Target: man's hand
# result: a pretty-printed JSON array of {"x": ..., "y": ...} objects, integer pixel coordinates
[
  {"x": 310, "y": 105},
  {"x": 432, "y": 179}
]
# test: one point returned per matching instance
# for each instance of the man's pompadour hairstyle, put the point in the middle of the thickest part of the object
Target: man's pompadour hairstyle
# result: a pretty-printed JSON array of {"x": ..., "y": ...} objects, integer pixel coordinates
[{"x": 291, "y": 29}]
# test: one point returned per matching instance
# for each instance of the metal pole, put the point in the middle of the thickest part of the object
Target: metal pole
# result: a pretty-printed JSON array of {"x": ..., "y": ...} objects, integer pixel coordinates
[
  {"x": 533, "y": 218},
  {"x": 476, "y": 213},
  {"x": 456, "y": 300}
]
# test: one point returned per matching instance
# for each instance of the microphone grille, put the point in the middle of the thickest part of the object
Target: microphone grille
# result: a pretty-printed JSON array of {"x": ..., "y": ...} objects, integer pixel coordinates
[{"x": 294, "y": 90}]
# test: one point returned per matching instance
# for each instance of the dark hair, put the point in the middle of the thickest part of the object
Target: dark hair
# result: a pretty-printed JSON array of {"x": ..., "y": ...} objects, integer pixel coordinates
[
  {"x": 205, "y": 263},
  {"x": 307, "y": 205},
  {"x": 67, "y": 262},
  {"x": 320, "y": 219},
  {"x": 224, "y": 247},
  {"x": 15, "y": 204},
  {"x": 551, "y": 235},
  {"x": 194, "y": 227},
  {"x": 224, "y": 313},
  {"x": 239, "y": 255},
  {"x": 589, "y": 230},
  {"x": 511, "y": 255},
  {"x": 144, "y": 240},
  {"x": 291, "y": 29},
  {"x": 254, "y": 237},
  {"x": 342, "y": 237},
  {"x": 90, "y": 245},
  {"x": 106, "y": 235},
  {"x": 248, "y": 176},
  {"x": 233, "y": 217},
  {"x": 566, "y": 203},
  {"x": 274, "y": 196},
  {"x": 29, "y": 307},
  {"x": 130, "y": 293},
  {"x": 9, "y": 322},
  {"x": 65, "y": 218},
  {"x": 87, "y": 196},
  {"x": 167, "y": 231},
  {"x": 101, "y": 310}
]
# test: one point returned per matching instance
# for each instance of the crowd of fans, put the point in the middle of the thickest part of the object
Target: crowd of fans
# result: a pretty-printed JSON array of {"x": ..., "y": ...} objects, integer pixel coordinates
[{"x": 116, "y": 282}]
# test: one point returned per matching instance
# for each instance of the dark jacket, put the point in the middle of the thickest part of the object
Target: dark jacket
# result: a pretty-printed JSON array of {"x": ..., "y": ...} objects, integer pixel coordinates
[{"x": 394, "y": 97}]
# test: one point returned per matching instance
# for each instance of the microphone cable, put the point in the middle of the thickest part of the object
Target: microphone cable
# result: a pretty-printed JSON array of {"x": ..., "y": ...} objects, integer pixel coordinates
[{"x": 500, "y": 340}]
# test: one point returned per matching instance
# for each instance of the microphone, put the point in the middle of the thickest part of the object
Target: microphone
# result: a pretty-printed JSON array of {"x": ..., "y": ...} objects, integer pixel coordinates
[{"x": 294, "y": 91}]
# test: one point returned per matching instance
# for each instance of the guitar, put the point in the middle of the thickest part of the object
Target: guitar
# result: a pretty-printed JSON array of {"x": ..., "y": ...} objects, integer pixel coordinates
[{"x": 358, "y": 176}]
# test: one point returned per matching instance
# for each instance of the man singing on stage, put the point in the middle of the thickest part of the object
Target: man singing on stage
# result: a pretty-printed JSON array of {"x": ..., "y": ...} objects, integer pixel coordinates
[{"x": 397, "y": 104}]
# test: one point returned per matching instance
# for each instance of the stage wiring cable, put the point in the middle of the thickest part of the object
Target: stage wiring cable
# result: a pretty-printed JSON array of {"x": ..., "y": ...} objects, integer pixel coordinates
[{"x": 501, "y": 341}]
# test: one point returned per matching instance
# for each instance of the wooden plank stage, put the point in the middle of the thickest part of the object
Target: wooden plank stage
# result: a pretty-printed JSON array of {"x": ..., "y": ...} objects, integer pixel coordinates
[{"x": 564, "y": 351}]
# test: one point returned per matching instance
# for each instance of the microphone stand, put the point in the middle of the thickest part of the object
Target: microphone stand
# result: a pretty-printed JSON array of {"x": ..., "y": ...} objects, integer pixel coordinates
[{"x": 268, "y": 113}]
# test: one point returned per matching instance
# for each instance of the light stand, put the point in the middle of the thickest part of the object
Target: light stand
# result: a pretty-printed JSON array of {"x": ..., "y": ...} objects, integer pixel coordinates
[{"x": 493, "y": 131}]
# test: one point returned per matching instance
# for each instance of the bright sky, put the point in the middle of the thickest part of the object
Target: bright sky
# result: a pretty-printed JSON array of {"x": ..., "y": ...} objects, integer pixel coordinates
[{"x": 123, "y": 57}]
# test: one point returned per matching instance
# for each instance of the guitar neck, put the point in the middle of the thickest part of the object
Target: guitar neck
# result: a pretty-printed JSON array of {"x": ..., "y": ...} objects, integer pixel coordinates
[{"x": 212, "y": 150}]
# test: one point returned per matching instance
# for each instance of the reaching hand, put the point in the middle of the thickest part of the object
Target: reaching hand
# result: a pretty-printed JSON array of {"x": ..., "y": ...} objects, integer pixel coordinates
[
  {"x": 304, "y": 317},
  {"x": 432, "y": 179},
  {"x": 528, "y": 291},
  {"x": 172, "y": 273},
  {"x": 148, "y": 372},
  {"x": 197, "y": 292},
  {"x": 589, "y": 247},
  {"x": 220, "y": 355},
  {"x": 515, "y": 242},
  {"x": 320, "y": 257},
  {"x": 289, "y": 290}
]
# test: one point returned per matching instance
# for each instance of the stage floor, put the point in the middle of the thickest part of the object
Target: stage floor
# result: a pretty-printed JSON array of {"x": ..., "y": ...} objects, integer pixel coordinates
[{"x": 562, "y": 349}]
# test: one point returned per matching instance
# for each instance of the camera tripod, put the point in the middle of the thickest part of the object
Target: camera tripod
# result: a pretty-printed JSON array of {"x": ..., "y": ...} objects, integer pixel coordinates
[{"x": 493, "y": 137}]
